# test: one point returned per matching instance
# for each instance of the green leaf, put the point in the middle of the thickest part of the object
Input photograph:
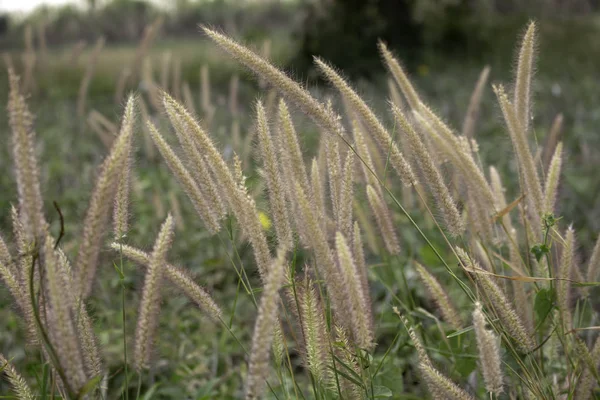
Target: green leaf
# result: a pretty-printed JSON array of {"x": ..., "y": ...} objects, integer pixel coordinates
[
  {"x": 465, "y": 365},
  {"x": 89, "y": 386},
  {"x": 539, "y": 250},
  {"x": 381, "y": 392},
  {"x": 544, "y": 302},
  {"x": 461, "y": 332}
]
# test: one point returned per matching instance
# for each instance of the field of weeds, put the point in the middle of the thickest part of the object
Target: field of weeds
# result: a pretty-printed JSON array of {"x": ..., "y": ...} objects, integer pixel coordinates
[{"x": 182, "y": 219}]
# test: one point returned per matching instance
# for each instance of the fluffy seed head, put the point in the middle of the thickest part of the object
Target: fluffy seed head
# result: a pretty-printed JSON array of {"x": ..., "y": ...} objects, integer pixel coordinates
[
  {"x": 523, "y": 79},
  {"x": 98, "y": 211},
  {"x": 563, "y": 285},
  {"x": 293, "y": 91},
  {"x": 121, "y": 207},
  {"x": 351, "y": 282},
  {"x": 552, "y": 180},
  {"x": 25, "y": 162},
  {"x": 525, "y": 159},
  {"x": 489, "y": 353},
  {"x": 440, "y": 386},
  {"x": 468, "y": 128},
  {"x": 209, "y": 217},
  {"x": 509, "y": 319},
  {"x": 374, "y": 126},
  {"x": 258, "y": 370},
  {"x": 178, "y": 277},
  {"x": 444, "y": 201},
  {"x": 400, "y": 77},
  {"x": 150, "y": 302},
  {"x": 440, "y": 297},
  {"x": 383, "y": 220},
  {"x": 20, "y": 387},
  {"x": 273, "y": 177}
]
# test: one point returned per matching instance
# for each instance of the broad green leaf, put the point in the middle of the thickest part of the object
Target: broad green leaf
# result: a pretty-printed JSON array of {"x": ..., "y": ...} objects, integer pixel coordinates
[{"x": 544, "y": 302}]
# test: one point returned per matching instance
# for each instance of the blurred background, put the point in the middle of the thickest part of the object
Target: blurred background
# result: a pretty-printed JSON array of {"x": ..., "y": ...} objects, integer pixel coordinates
[
  {"x": 79, "y": 59},
  {"x": 444, "y": 44}
]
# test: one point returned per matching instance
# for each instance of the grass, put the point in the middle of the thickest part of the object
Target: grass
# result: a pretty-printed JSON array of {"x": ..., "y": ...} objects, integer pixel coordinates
[{"x": 197, "y": 359}]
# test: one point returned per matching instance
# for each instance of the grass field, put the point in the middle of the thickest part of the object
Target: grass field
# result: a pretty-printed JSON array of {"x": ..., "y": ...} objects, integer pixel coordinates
[{"x": 200, "y": 359}]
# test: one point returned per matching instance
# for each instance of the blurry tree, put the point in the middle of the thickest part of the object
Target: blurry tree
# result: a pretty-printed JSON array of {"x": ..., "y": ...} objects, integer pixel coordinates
[
  {"x": 345, "y": 31},
  {"x": 4, "y": 19}
]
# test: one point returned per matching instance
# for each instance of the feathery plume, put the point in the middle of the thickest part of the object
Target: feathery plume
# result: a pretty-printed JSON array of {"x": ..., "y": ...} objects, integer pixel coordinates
[
  {"x": 440, "y": 297},
  {"x": 445, "y": 141},
  {"x": 121, "y": 212},
  {"x": 87, "y": 77},
  {"x": 563, "y": 285},
  {"x": 400, "y": 77},
  {"x": 384, "y": 222},
  {"x": 509, "y": 319},
  {"x": 5, "y": 256},
  {"x": 15, "y": 379},
  {"x": 489, "y": 353},
  {"x": 150, "y": 33},
  {"x": 523, "y": 79},
  {"x": 334, "y": 172},
  {"x": 262, "y": 338},
  {"x": 552, "y": 140},
  {"x": 345, "y": 353},
  {"x": 444, "y": 201},
  {"x": 468, "y": 128},
  {"x": 178, "y": 277},
  {"x": 359, "y": 258},
  {"x": 440, "y": 386},
  {"x": 273, "y": 178},
  {"x": 313, "y": 330},
  {"x": 394, "y": 93},
  {"x": 289, "y": 148},
  {"x": 188, "y": 98},
  {"x": 314, "y": 235},
  {"x": 186, "y": 180},
  {"x": 552, "y": 180},
  {"x": 593, "y": 266},
  {"x": 240, "y": 203},
  {"x": 344, "y": 217},
  {"x": 423, "y": 357},
  {"x": 89, "y": 343},
  {"x": 500, "y": 199},
  {"x": 98, "y": 211},
  {"x": 519, "y": 140},
  {"x": 61, "y": 327},
  {"x": 587, "y": 381},
  {"x": 105, "y": 128},
  {"x": 520, "y": 296},
  {"x": 323, "y": 117},
  {"x": 7, "y": 274},
  {"x": 22, "y": 271},
  {"x": 318, "y": 198},
  {"x": 354, "y": 294},
  {"x": 152, "y": 88},
  {"x": 363, "y": 151},
  {"x": 373, "y": 125},
  {"x": 150, "y": 301},
  {"x": 26, "y": 166},
  {"x": 196, "y": 160}
]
